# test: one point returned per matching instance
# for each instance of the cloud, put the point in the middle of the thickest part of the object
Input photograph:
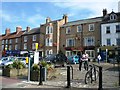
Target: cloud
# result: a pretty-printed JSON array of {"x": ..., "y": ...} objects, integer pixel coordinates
[{"x": 95, "y": 7}]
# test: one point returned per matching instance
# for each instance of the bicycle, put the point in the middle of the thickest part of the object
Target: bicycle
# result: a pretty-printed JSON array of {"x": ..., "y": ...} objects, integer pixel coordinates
[{"x": 91, "y": 75}]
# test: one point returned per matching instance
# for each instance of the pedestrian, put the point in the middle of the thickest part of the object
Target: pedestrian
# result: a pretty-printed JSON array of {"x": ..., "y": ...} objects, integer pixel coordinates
[
  {"x": 80, "y": 61},
  {"x": 98, "y": 58},
  {"x": 85, "y": 57}
]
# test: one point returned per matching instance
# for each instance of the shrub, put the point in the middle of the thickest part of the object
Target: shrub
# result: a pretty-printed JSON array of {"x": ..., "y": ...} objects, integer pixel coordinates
[
  {"x": 43, "y": 63},
  {"x": 35, "y": 67},
  {"x": 10, "y": 66},
  {"x": 18, "y": 64}
]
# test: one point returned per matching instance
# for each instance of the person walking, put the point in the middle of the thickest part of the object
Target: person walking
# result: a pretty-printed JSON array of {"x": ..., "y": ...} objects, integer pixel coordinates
[
  {"x": 85, "y": 59},
  {"x": 98, "y": 58},
  {"x": 80, "y": 61}
]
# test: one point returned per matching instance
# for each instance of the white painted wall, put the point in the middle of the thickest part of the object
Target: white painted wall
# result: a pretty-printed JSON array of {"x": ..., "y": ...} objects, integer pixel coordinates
[{"x": 112, "y": 35}]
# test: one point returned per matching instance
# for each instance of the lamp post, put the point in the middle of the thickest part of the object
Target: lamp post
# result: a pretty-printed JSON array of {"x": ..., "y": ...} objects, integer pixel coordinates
[{"x": 106, "y": 55}]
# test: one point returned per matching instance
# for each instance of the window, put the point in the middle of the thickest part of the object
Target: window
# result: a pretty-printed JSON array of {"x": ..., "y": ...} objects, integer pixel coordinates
[
  {"x": 49, "y": 29},
  {"x": 117, "y": 28},
  {"x": 70, "y": 42},
  {"x": 34, "y": 37},
  {"x": 118, "y": 41},
  {"x": 6, "y": 41},
  {"x": 108, "y": 29},
  {"x": 33, "y": 45},
  {"x": 89, "y": 41},
  {"x": 91, "y": 53},
  {"x": 68, "y": 29},
  {"x": 25, "y": 45},
  {"x": 49, "y": 52},
  {"x": 91, "y": 27},
  {"x": 49, "y": 42},
  {"x": 10, "y": 47},
  {"x": 25, "y": 38},
  {"x": 16, "y": 40},
  {"x": 2, "y": 41},
  {"x": 10, "y": 41},
  {"x": 16, "y": 47},
  {"x": 2, "y": 47},
  {"x": 79, "y": 28},
  {"x": 113, "y": 17},
  {"x": 108, "y": 42},
  {"x": 69, "y": 53}
]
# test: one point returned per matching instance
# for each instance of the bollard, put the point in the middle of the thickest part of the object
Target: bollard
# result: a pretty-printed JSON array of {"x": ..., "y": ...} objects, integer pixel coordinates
[
  {"x": 72, "y": 71},
  {"x": 40, "y": 79},
  {"x": 68, "y": 77},
  {"x": 100, "y": 79}
]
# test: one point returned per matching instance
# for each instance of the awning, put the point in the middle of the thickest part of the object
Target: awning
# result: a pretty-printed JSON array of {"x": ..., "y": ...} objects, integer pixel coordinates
[
  {"x": 107, "y": 47},
  {"x": 74, "y": 48}
]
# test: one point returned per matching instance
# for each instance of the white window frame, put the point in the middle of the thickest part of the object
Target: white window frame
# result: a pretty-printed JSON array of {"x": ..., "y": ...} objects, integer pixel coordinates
[
  {"x": 49, "y": 42},
  {"x": 2, "y": 41},
  {"x": 49, "y": 52},
  {"x": 34, "y": 37},
  {"x": 68, "y": 44},
  {"x": 87, "y": 43},
  {"x": 113, "y": 17},
  {"x": 79, "y": 28},
  {"x": 10, "y": 47},
  {"x": 69, "y": 53},
  {"x": 16, "y": 40},
  {"x": 68, "y": 30},
  {"x": 93, "y": 26},
  {"x": 89, "y": 52},
  {"x": 25, "y": 38},
  {"x": 2, "y": 47},
  {"x": 107, "y": 29},
  {"x": 107, "y": 42},
  {"x": 10, "y": 41},
  {"x": 33, "y": 46},
  {"x": 49, "y": 29},
  {"x": 6, "y": 41},
  {"x": 25, "y": 46},
  {"x": 16, "y": 47}
]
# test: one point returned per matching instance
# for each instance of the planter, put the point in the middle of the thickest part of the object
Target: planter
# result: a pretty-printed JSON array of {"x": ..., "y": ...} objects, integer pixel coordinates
[
  {"x": 34, "y": 75},
  {"x": 14, "y": 72}
]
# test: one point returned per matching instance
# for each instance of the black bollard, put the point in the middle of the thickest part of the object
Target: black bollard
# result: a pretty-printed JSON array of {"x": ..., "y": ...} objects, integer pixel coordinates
[
  {"x": 68, "y": 77},
  {"x": 100, "y": 79},
  {"x": 40, "y": 79}
]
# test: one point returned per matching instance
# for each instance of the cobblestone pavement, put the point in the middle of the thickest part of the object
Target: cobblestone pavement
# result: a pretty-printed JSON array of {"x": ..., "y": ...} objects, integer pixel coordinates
[{"x": 110, "y": 79}]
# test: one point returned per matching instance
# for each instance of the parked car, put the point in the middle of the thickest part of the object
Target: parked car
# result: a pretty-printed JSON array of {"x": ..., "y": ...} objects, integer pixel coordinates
[
  {"x": 57, "y": 59},
  {"x": 22, "y": 59},
  {"x": 73, "y": 59},
  {"x": 7, "y": 61}
]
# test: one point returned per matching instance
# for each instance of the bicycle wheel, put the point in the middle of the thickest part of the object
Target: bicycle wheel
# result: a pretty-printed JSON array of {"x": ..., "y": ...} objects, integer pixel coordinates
[
  {"x": 95, "y": 75},
  {"x": 88, "y": 78}
]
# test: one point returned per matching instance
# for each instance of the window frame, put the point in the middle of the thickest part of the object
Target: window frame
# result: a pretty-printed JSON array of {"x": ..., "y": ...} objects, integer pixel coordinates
[
  {"x": 93, "y": 26},
  {"x": 79, "y": 28},
  {"x": 68, "y": 30}
]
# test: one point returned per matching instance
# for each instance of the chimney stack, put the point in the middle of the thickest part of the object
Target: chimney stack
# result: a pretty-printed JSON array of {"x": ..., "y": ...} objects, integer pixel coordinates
[
  {"x": 65, "y": 17},
  {"x": 18, "y": 29},
  {"x": 7, "y": 31},
  {"x": 48, "y": 19},
  {"x": 104, "y": 12},
  {"x": 27, "y": 28}
]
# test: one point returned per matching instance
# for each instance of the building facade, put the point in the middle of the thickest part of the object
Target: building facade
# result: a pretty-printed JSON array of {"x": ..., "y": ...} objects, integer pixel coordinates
[
  {"x": 81, "y": 36},
  {"x": 110, "y": 33}
]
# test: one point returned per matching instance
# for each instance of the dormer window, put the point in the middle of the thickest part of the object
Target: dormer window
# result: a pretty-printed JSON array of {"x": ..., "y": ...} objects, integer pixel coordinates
[{"x": 113, "y": 17}]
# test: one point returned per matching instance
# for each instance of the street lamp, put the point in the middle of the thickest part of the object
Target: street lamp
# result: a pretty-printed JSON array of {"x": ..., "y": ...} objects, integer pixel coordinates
[{"x": 106, "y": 55}]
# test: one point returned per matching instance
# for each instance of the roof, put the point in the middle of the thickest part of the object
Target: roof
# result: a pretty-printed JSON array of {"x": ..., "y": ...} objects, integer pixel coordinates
[
  {"x": 96, "y": 19},
  {"x": 12, "y": 35},
  {"x": 32, "y": 31}
]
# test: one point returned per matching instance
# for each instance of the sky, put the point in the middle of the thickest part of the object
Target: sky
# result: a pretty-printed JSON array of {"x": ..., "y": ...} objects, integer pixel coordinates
[{"x": 32, "y": 13}]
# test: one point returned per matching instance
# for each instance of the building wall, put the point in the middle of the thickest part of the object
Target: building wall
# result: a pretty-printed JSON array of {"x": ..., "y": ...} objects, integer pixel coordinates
[{"x": 113, "y": 35}]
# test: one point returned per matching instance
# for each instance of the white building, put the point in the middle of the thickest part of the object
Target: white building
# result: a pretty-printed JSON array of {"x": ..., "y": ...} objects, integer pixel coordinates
[{"x": 110, "y": 29}]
